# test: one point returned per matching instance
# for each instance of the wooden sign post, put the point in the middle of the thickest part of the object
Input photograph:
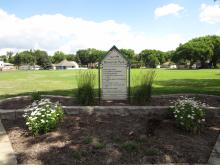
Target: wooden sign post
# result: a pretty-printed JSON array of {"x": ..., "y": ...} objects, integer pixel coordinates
[{"x": 115, "y": 76}]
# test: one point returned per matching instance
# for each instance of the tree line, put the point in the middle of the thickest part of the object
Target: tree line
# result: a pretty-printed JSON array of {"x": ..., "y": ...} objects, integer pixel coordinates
[{"x": 204, "y": 50}]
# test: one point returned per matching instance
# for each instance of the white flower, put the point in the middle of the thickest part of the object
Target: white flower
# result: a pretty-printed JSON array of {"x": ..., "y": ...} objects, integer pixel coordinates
[
  {"x": 33, "y": 113},
  {"x": 203, "y": 120}
]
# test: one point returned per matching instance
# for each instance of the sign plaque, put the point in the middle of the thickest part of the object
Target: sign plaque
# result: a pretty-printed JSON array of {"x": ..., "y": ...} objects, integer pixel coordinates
[{"x": 114, "y": 76}]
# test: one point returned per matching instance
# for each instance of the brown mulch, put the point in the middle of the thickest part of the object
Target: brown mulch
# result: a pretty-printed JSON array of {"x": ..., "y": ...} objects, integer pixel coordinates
[
  {"x": 155, "y": 101},
  {"x": 134, "y": 139}
]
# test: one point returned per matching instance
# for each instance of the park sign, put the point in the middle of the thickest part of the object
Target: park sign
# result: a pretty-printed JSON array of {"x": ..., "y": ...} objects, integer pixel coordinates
[{"x": 114, "y": 76}]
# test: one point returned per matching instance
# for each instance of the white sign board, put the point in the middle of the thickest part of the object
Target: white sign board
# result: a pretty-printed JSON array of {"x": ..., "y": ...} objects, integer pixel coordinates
[{"x": 114, "y": 76}]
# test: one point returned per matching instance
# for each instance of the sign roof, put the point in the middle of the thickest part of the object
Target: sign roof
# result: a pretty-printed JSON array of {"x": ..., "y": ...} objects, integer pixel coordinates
[{"x": 112, "y": 49}]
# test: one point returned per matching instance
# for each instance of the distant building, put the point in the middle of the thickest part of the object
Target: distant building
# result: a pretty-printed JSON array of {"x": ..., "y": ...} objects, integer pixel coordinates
[
  {"x": 173, "y": 66},
  {"x": 67, "y": 65},
  {"x": 29, "y": 67},
  {"x": 168, "y": 65},
  {"x": 165, "y": 65},
  {"x": 182, "y": 66},
  {"x": 6, "y": 66}
]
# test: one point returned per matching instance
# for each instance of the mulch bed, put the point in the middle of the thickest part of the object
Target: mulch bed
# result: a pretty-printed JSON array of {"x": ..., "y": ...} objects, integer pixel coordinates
[
  {"x": 155, "y": 101},
  {"x": 134, "y": 139}
]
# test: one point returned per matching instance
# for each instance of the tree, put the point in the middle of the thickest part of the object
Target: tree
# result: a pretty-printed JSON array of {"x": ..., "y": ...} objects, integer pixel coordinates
[
  {"x": 151, "y": 58},
  {"x": 216, "y": 50},
  {"x": 42, "y": 59},
  {"x": 82, "y": 57},
  {"x": 17, "y": 60},
  {"x": 9, "y": 56},
  {"x": 168, "y": 55},
  {"x": 70, "y": 57},
  {"x": 129, "y": 53},
  {"x": 3, "y": 58},
  {"x": 89, "y": 56},
  {"x": 203, "y": 49},
  {"x": 58, "y": 57},
  {"x": 27, "y": 57},
  {"x": 24, "y": 57},
  {"x": 153, "y": 61}
]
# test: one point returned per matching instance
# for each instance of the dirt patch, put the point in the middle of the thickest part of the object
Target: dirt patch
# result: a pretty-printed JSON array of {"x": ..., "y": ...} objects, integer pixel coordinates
[
  {"x": 155, "y": 101},
  {"x": 17, "y": 103},
  {"x": 167, "y": 101},
  {"x": 134, "y": 139}
]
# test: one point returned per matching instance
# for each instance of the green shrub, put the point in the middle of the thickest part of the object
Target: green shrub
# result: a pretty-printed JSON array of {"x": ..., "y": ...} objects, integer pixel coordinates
[
  {"x": 86, "y": 94},
  {"x": 43, "y": 116},
  {"x": 35, "y": 95},
  {"x": 143, "y": 82},
  {"x": 189, "y": 114}
]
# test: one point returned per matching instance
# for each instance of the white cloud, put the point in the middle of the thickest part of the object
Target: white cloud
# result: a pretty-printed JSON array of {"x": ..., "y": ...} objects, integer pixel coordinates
[
  {"x": 68, "y": 34},
  {"x": 170, "y": 9},
  {"x": 210, "y": 13}
]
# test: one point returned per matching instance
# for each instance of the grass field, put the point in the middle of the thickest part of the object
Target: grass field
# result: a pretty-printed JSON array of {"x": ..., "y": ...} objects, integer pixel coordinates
[{"x": 64, "y": 82}]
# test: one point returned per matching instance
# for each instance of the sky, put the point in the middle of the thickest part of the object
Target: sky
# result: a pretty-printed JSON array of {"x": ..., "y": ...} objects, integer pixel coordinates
[{"x": 70, "y": 25}]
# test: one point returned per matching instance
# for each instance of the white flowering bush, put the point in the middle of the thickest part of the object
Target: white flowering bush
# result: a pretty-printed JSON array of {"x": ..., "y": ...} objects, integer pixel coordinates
[
  {"x": 189, "y": 114},
  {"x": 43, "y": 116}
]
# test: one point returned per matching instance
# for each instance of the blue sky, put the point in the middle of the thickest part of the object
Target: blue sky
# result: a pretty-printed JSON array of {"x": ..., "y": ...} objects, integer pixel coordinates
[{"x": 175, "y": 21}]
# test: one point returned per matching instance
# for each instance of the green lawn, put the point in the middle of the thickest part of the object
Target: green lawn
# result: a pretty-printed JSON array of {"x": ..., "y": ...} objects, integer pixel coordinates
[{"x": 63, "y": 82}]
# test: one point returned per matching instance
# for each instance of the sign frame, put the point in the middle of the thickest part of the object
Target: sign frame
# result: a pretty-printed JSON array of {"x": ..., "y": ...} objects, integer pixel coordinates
[{"x": 128, "y": 72}]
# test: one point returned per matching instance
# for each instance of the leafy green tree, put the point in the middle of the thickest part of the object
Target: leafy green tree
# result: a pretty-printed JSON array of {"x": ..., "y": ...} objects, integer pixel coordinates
[
  {"x": 42, "y": 59},
  {"x": 17, "y": 60},
  {"x": 58, "y": 57},
  {"x": 3, "y": 58},
  {"x": 9, "y": 56},
  {"x": 203, "y": 49},
  {"x": 153, "y": 61},
  {"x": 168, "y": 55},
  {"x": 151, "y": 58},
  {"x": 82, "y": 57},
  {"x": 216, "y": 50},
  {"x": 129, "y": 53},
  {"x": 27, "y": 57},
  {"x": 70, "y": 57},
  {"x": 89, "y": 56}
]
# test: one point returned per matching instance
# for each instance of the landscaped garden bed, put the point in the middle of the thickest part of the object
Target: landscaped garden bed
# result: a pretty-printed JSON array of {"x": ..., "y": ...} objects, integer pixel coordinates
[
  {"x": 165, "y": 100},
  {"x": 112, "y": 139}
]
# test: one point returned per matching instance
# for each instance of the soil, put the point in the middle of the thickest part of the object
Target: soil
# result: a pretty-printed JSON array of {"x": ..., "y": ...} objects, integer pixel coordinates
[
  {"x": 155, "y": 101},
  {"x": 15, "y": 103},
  {"x": 112, "y": 139}
]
